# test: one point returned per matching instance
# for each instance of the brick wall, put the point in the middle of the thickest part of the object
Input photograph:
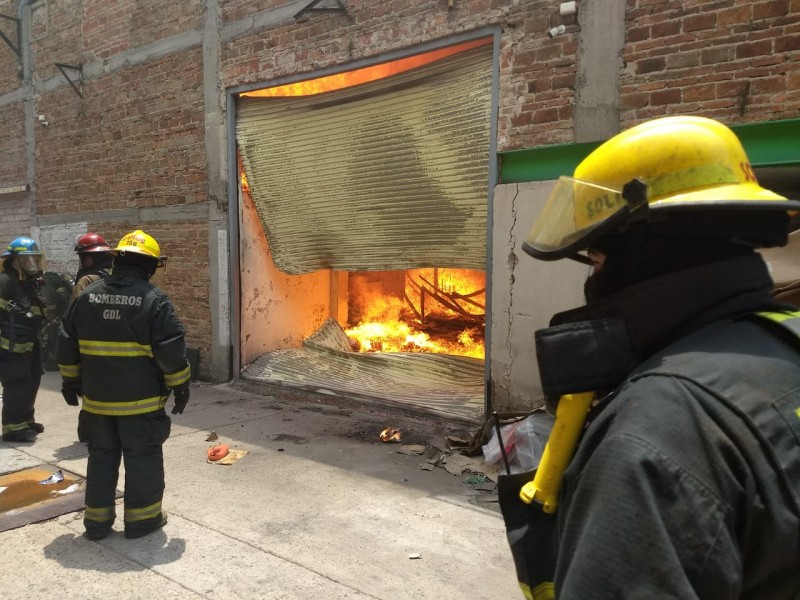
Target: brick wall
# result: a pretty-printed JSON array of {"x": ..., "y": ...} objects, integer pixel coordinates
[
  {"x": 738, "y": 61},
  {"x": 15, "y": 218},
  {"x": 136, "y": 140},
  {"x": 537, "y": 73},
  {"x": 12, "y": 146},
  {"x": 9, "y": 64},
  {"x": 114, "y": 26}
]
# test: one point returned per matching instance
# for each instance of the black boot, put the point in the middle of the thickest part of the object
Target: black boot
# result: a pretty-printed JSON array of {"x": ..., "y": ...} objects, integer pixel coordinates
[
  {"x": 37, "y": 427},
  {"x": 132, "y": 533},
  {"x": 21, "y": 435}
]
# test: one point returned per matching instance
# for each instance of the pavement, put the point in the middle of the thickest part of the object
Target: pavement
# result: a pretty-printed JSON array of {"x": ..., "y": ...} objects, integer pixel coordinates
[{"x": 318, "y": 507}]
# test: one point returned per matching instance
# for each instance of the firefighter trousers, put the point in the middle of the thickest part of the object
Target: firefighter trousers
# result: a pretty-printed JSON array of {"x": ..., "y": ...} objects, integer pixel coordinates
[
  {"x": 20, "y": 375},
  {"x": 138, "y": 441}
]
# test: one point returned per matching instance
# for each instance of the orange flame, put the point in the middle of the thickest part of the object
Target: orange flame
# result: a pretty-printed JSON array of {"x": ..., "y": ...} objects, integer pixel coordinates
[
  {"x": 340, "y": 81},
  {"x": 442, "y": 311},
  {"x": 390, "y": 434}
]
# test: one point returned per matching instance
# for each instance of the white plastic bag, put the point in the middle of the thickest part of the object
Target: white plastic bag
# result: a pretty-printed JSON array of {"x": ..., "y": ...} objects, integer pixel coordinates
[
  {"x": 524, "y": 442},
  {"x": 491, "y": 450},
  {"x": 530, "y": 439}
]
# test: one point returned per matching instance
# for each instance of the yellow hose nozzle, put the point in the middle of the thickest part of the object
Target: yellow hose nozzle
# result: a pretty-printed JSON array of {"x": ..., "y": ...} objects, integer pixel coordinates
[{"x": 570, "y": 417}]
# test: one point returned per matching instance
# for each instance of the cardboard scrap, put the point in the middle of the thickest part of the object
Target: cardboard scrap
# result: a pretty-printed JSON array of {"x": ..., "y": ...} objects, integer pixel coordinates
[
  {"x": 411, "y": 449},
  {"x": 458, "y": 463},
  {"x": 232, "y": 456}
]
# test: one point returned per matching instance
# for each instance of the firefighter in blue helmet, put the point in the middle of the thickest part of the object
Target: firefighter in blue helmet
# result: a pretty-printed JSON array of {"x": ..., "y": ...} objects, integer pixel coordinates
[
  {"x": 121, "y": 350},
  {"x": 22, "y": 311}
]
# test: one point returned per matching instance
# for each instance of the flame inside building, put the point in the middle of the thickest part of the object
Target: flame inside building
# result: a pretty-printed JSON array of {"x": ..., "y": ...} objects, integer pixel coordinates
[{"x": 418, "y": 310}]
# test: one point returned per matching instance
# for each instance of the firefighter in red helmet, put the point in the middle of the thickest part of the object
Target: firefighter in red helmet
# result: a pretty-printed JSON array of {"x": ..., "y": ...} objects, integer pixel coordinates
[
  {"x": 121, "y": 352},
  {"x": 93, "y": 252}
]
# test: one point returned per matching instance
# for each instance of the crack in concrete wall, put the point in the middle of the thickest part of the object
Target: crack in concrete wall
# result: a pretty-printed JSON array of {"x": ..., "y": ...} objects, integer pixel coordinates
[{"x": 512, "y": 261}]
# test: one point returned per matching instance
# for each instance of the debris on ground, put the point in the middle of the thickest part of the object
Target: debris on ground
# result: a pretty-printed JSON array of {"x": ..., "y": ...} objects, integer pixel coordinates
[
  {"x": 390, "y": 434},
  {"x": 56, "y": 477},
  {"x": 217, "y": 452},
  {"x": 414, "y": 555},
  {"x": 67, "y": 490},
  {"x": 455, "y": 441},
  {"x": 416, "y": 449},
  {"x": 476, "y": 479},
  {"x": 232, "y": 457},
  {"x": 212, "y": 437}
]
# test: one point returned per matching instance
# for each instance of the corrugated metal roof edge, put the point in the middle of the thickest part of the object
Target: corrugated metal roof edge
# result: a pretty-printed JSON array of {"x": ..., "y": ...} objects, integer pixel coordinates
[{"x": 768, "y": 144}]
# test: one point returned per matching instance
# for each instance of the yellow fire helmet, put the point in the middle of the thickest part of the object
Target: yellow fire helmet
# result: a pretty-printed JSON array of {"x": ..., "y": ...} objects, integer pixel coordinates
[
  {"x": 668, "y": 164},
  {"x": 140, "y": 242}
]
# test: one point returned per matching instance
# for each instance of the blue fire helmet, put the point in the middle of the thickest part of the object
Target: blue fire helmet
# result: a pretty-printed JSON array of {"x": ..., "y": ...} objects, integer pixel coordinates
[{"x": 22, "y": 245}]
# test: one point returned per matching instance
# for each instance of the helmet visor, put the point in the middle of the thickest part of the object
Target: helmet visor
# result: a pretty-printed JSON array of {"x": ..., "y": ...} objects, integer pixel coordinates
[
  {"x": 576, "y": 213},
  {"x": 31, "y": 264}
]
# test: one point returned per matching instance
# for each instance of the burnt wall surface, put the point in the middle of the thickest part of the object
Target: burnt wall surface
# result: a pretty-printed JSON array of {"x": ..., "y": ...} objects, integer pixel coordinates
[{"x": 141, "y": 141}]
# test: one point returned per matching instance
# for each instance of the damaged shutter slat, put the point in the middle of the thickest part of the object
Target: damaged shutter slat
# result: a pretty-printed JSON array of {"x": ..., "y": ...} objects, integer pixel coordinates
[{"x": 387, "y": 175}]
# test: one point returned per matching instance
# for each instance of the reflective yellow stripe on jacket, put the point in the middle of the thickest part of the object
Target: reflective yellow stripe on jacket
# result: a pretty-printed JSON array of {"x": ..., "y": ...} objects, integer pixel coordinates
[
  {"x": 178, "y": 377},
  {"x": 102, "y": 348},
  {"x": 121, "y": 409},
  {"x": 20, "y": 348},
  {"x": 70, "y": 371}
]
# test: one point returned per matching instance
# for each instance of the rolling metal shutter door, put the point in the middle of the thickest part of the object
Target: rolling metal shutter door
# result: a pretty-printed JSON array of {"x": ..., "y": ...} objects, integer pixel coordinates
[{"x": 387, "y": 175}]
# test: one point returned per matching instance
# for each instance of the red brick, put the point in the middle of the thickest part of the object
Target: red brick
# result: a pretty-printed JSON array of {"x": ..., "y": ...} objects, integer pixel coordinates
[
  {"x": 787, "y": 43},
  {"x": 770, "y": 9},
  {"x": 650, "y": 65},
  {"x": 761, "y": 48},
  {"x": 672, "y": 96},
  {"x": 700, "y": 22}
]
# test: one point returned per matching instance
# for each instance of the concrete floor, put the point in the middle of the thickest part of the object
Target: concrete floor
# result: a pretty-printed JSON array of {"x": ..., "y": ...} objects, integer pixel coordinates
[{"x": 317, "y": 508}]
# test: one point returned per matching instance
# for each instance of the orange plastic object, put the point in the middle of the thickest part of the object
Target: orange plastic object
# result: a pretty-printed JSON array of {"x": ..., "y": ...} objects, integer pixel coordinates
[{"x": 217, "y": 452}]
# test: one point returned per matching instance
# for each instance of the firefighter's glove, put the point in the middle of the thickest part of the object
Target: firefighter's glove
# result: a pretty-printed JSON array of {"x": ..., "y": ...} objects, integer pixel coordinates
[
  {"x": 71, "y": 390},
  {"x": 181, "y": 398}
]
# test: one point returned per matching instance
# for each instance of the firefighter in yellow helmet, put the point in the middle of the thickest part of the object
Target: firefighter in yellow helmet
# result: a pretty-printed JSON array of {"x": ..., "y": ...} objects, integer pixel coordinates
[
  {"x": 121, "y": 352},
  {"x": 686, "y": 480}
]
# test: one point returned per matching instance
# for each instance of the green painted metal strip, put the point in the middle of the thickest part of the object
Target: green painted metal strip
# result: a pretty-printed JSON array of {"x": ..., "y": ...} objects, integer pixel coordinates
[
  {"x": 768, "y": 144},
  {"x": 543, "y": 163},
  {"x": 771, "y": 144}
]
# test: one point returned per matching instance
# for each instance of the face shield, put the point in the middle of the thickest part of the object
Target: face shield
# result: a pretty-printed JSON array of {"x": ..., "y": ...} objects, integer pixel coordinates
[
  {"x": 578, "y": 213},
  {"x": 30, "y": 264}
]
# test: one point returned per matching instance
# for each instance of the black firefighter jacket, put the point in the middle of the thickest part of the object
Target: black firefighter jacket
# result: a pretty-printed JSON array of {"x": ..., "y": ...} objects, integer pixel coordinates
[
  {"x": 122, "y": 339},
  {"x": 686, "y": 483},
  {"x": 21, "y": 313}
]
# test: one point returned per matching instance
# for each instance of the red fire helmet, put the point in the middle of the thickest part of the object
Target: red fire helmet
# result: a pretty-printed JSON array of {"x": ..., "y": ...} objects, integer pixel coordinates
[{"x": 91, "y": 242}]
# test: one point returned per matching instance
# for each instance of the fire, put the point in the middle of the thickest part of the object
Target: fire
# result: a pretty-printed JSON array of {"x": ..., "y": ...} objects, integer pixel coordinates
[
  {"x": 390, "y": 434},
  {"x": 340, "y": 81},
  {"x": 442, "y": 311}
]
